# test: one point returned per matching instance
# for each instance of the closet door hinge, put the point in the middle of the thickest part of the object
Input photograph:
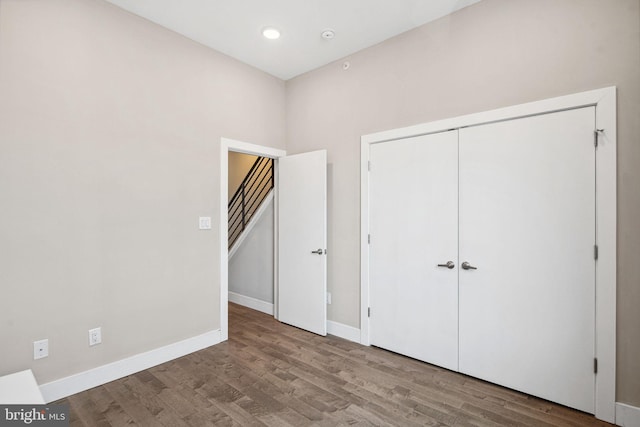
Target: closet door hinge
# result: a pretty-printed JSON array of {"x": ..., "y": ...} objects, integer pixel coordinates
[
  {"x": 369, "y": 238},
  {"x": 595, "y": 136},
  {"x": 368, "y": 311},
  {"x": 595, "y": 365},
  {"x": 369, "y": 165},
  {"x": 595, "y": 252}
]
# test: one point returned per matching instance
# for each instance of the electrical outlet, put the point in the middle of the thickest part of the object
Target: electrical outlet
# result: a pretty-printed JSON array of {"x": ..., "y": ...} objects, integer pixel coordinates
[
  {"x": 40, "y": 349},
  {"x": 95, "y": 336}
]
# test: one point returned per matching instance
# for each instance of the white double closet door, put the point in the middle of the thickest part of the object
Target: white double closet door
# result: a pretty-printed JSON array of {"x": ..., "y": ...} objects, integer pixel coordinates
[{"x": 515, "y": 200}]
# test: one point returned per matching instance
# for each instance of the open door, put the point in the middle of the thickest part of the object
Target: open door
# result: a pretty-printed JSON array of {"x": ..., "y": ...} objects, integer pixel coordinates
[{"x": 302, "y": 241}]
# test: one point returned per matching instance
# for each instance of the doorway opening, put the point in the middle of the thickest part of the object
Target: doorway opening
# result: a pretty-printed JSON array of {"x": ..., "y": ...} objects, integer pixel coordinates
[
  {"x": 228, "y": 146},
  {"x": 251, "y": 231}
]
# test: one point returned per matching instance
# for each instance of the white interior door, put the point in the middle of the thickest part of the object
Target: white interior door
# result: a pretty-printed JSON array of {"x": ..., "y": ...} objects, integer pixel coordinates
[
  {"x": 414, "y": 227},
  {"x": 527, "y": 222},
  {"x": 302, "y": 241}
]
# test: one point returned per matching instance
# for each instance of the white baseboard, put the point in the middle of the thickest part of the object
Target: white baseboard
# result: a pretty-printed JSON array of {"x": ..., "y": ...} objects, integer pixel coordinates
[
  {"x": 343, "y": 331},
  {"x": 82, "y": 381},
  {"x": 253, "y": 303},
  {"x": 627, "y": 415}
]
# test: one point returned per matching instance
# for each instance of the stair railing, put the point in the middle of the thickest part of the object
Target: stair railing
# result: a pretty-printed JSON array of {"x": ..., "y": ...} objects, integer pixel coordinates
[{"x": 254, "y": 188}]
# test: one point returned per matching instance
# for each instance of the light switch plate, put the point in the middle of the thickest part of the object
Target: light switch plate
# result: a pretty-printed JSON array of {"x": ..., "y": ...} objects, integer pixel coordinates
[{"x": 205, "y": 222}]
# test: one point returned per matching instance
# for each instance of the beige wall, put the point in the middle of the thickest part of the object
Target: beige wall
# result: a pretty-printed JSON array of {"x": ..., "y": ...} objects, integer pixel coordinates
[
  {"x": 493, "y": 54},
  {"x": 109, "y": 145},
  {"x": 251, "y": 266},
  {"x": 239, "y": 166}
]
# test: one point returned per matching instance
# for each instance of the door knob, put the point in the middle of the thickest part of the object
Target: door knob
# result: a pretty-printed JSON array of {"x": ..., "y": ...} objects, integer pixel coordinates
[
  {"x": 319, "y": 252},
  {"x": 466, "y": 266},
  {"x": 449, "y": 265}
]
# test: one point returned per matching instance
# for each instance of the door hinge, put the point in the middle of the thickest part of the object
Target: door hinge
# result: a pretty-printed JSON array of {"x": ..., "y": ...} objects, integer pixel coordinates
[
  {"x": 595, "y": 365},
  {"x": 368, "y": 311},
  {"x": 595, "y": 136},
  {"x": 369, "y": 165},
  {"x": 595, "y": 252},
  {"x": 369, "y": 238}
]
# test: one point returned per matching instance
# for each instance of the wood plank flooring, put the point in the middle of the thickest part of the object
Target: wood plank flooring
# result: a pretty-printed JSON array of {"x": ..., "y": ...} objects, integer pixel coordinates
[{"x": 271, "y": 374}]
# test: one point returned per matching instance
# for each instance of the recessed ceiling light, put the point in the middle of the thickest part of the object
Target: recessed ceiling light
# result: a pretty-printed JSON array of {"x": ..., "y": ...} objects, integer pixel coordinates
[
  {"x": 271, "y": 33},
  {"x": 328, "y": 34}
]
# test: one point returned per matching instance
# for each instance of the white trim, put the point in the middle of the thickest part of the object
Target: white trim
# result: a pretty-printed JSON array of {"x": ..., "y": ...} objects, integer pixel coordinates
[
  {"x": 252, "y": 303},
  {"x": 227, "y": 144},
  {"x": 606, "y": 279},
  {"x": 606, "y": 207},
  {"x": 583, "y": 99},
  {"x": 276, "y": 234},
  {"x": 364, "y": 242},
  {"x": 343, "y": 331},
  {"x": 82, "y": 381},
  {"x": 252, "y": 223},
  {"x": 253, "y": 149},
  {"x": 627, "y": 415}
]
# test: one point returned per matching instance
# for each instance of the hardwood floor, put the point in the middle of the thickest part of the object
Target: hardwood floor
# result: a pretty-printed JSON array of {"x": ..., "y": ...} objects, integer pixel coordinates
[{"x": 272, "y": 374}]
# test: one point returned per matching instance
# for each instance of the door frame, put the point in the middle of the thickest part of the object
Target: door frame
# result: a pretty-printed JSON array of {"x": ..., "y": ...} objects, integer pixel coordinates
[
  {"x": 604, "y": 100},
  {"x": 227, "y": 145}
]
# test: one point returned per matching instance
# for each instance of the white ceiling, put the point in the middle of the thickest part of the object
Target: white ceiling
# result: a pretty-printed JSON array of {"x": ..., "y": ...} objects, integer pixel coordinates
[{"x": 234, "y": 27}]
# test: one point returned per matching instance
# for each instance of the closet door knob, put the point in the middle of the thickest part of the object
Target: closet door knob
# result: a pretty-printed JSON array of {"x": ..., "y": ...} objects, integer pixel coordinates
[
  {"x": 449, "y": 265},
  {"x": 466, "y": 266}
]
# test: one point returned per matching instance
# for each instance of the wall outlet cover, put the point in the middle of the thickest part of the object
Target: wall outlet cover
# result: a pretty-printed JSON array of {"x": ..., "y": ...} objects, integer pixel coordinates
[
  {"x": 40, "y": 349},
  {"x": 95, "y": 336}
]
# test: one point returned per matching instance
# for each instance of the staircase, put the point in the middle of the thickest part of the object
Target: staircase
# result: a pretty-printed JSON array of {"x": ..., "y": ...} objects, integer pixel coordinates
[{"x": 255, "y": 187}]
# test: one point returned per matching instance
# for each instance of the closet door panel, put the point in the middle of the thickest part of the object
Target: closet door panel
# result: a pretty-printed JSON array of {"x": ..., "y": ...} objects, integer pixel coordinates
[
  {"x": 414, "y": 227},
  {"x": 527, "y": 223}
]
